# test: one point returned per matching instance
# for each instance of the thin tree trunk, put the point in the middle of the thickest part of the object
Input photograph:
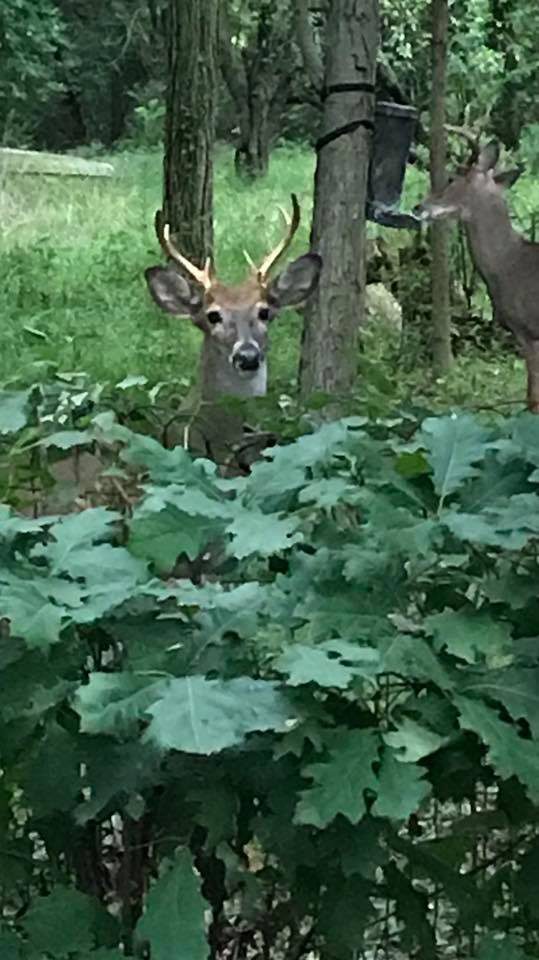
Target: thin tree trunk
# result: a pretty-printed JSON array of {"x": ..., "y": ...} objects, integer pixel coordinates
[
  {"x": 190, "y": 124},
  {"x": 442, "y": 356},
  {"x": 312, "y": 60},
  {"x": 334, "y": 314},
  {"x": 258, "y": 78}
]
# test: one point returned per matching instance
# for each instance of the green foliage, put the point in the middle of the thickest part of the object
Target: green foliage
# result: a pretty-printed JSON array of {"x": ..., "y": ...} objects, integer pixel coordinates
[
  {"x": 33, "y": 37},
  {"x": 261, "y": 743}
]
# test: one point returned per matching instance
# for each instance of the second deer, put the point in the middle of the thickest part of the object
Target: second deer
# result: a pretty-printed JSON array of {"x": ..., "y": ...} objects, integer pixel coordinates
[{"x": 507, "y": 261}]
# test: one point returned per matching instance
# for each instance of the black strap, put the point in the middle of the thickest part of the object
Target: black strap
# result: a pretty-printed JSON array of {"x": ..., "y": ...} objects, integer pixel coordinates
[
  {"x": 347, "y": 88},
  {"x": 341, "y": 132}
]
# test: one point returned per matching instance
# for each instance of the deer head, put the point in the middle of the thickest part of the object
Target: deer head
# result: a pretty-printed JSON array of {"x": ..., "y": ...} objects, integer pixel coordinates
[
  {"x": 473, "y": 185},
  {"x": 233, "y": 319}
]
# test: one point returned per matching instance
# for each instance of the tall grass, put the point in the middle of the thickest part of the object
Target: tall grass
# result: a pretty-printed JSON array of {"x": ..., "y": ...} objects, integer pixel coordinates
[
  {"x": 73, "y": 295},
  {"x": 73, "y": 253}
]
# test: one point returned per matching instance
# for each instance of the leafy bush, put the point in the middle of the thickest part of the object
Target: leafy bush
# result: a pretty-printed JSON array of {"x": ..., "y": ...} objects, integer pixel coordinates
[{"x": 255, "y": 759}]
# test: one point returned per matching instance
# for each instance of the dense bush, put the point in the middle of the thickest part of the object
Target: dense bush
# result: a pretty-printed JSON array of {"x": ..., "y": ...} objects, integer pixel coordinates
[{"x": 255, "y": 759}]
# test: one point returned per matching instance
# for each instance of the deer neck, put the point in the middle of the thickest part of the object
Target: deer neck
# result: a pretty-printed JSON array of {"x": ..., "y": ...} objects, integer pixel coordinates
[
  {"x": 219, "y": 377},
  {"x": 491, "y": 237}
]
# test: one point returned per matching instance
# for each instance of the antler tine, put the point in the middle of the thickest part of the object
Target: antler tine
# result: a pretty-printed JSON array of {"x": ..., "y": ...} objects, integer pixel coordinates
[
  {"x": 292, "y": 223},
  {"x": 468, "y": 135},
  {"x": 204, "y": 277}
]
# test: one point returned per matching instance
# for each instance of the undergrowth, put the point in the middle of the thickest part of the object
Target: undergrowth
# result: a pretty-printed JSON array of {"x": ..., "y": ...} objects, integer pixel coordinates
[{"x": 323, "y": 747}]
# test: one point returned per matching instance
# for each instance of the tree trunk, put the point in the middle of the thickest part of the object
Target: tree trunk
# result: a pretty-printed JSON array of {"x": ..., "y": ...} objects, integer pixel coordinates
[
  {"x": 442, "y": 357},
  {"x": 252, "y": 154},
  {"x": 258, "y": 79},
  {"x": 335, "y": 312},
  {"x": 190, "y": 124}
]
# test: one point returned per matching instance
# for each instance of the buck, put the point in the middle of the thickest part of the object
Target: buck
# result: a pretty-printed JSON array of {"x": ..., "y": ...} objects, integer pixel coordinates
[
  {"x": 234, "y": 320},
  {"x": 507, "y": 261}
]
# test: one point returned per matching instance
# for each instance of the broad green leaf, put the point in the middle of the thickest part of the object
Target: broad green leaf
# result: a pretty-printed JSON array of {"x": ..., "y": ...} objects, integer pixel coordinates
[
  {"x": 61, "y": 923},
  {"x": 411, "y": 656},
  {"x": 327, "y": 492},
  {"x": 359, "y": 847},
  {"x": 205, "y": 716},
  {"x": 31, "y": 615},
  {"x": 168, "y": 466},
  {"x": 509, "y": 754},
  {"x": 401, "y": 788},
  {"x": 254, "y": 532},
  {"x": 517, "y": 688},
  {"x": 163, "y": 537},
  {"x": 115, "y": 703},
  {"x": 113, "y": 771},
  {"x": 454, "y": 444},
  {"x": 11, "y": 525},
  {"x": 497, "y": 481},
  {"x": 217, "y": 809},
  {"x": 471, "y": 635},
  {"x": 67, "y": 439},
  {"x": 74, "y": 531},
  {"x": 345, "y": 911},
  {"x": 507, "y": 586},
  {"x": 50, "y": 775},
  {"x": 330, "y": 664},
  {"x": 339, "y": 784},
  {"x": 173, "y": 921},
  {"x": 413, "y": 741},
  {"x": 510, "y": 525},
  {"x": 104, "y": 565},
  {"x": 13, "y": 410}
]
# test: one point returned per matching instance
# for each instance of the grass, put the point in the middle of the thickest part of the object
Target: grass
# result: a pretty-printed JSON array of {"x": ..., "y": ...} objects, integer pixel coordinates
[
  {"x": 74, "y": 253},
  {"x": 73, "y": 295}
]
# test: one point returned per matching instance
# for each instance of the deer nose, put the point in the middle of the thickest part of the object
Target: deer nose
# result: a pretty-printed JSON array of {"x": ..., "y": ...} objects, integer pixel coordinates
[{"x": 247, "y": 357}]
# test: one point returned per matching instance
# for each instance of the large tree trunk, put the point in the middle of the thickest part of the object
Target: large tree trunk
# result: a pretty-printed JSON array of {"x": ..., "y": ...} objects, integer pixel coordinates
[
  {"x": 335, "y": 312},
  {"x": 190, "y": 124},
  {"x": 442, "y": 357}
]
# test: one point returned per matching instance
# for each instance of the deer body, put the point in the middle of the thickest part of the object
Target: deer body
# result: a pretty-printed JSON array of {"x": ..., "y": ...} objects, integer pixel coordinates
[{"x": 507, "y": 262}]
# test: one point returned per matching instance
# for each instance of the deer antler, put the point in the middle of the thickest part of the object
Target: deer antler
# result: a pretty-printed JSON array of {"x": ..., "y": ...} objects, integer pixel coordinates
[
  {"x": 468, "y": 135},
  {"x": 292, "y": 223},
  {"x": 203, "y": 277}
]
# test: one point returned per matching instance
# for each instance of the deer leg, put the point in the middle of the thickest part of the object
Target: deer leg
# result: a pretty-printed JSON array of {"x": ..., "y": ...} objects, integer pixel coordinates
[{"x": 532, "y": 363}]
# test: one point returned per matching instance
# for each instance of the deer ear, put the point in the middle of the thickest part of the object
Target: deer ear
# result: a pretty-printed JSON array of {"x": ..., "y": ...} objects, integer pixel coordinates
[
  {"x": 296, "y": 283},
  {"x": 508, "y": 177},
  {"x": 172, "y": 292},
  {"x": 488, "y": 157}
]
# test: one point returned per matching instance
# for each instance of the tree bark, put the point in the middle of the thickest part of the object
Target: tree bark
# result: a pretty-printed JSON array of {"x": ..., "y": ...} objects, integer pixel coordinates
[
  {"x": 442, "y": 356},
  {"x": 190, "y": 125},
  {"x": 335, "y": 312},
  {"x": 310, "y": 54}
]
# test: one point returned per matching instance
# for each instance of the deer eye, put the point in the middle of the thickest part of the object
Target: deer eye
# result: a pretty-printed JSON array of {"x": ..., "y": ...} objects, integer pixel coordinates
[
  {"x": 263, "y": 313},
  {"x": 214, "y": 316}
]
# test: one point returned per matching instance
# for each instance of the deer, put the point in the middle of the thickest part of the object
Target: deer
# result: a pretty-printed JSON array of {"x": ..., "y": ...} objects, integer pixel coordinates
[
  {"x": 507, "y": 262},
  {"x": 234, "y": 319}
]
